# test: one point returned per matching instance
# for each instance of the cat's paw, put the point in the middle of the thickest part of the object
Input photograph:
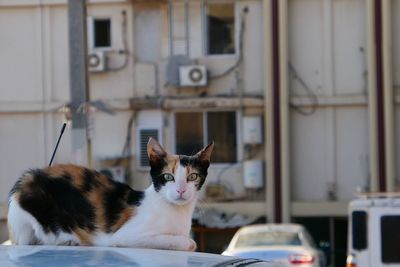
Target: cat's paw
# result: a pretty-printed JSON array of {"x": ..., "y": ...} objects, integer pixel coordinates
[{"x": 192, "y": 245}]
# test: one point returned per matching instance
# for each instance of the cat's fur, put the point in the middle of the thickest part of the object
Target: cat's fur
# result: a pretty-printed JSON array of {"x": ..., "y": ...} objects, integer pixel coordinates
[{"x": 73, "y": 205}]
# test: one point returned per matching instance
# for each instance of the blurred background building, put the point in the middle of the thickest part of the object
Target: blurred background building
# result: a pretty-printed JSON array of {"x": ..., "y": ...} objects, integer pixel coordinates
[{"x": 300, "y": 97}]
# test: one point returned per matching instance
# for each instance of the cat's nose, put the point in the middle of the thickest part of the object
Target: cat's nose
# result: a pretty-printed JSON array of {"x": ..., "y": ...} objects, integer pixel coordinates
[{"x": 181, "y": 191}]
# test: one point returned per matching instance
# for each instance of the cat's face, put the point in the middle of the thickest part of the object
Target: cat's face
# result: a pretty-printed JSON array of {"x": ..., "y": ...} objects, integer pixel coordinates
[{"x": 178, "y": 178}]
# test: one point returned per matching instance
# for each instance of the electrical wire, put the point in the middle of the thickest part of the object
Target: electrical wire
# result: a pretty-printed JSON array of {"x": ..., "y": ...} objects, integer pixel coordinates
[
  {"x": 126, "y": 150},
  {"x": 240, "y": 57},
  {"x": 314, "y": 99},
  {"x": 125, "y": 50}
]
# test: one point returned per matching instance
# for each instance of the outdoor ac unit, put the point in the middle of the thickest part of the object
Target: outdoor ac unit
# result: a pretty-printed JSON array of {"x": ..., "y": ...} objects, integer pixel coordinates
[
  {"x": 194, "y": 75},
  {"x": 97, "y": 61}
]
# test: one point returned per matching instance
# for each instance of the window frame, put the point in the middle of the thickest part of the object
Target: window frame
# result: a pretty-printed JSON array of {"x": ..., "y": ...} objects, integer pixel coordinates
[
  {"x": 91, "y": 33},
  {"x": 238, "y": 115},
  {"x": 204, "y": 23}
]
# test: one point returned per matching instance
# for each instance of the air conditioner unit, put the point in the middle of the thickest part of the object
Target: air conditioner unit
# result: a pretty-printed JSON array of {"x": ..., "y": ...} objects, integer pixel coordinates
[
  {"x": 194, "y": 75},
  {"x": 97, "y": 61}
]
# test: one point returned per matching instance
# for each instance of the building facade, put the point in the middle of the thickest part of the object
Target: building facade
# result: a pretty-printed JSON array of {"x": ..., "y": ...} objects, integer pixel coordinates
[{"x": 300, "y": 97}]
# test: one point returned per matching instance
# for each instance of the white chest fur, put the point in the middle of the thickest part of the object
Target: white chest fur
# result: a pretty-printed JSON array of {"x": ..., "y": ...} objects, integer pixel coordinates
[{"x": 155, "y": 216}]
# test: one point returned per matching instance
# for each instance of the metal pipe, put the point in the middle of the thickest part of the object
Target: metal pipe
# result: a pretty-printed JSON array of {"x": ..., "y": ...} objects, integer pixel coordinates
[
  {"x": 79, "y": 83},
  {"x": 171, "y": 28},
  {"x": 380, "y": 96},
  {"x": 187, "y": 32},
  {"x": 284, "y": 109},
  {"x": 388, "y": 96},
  {"x": 268, "y": 111},
  {"x": 372, "y": 109},
  {"x": 329, "y": 84},
  {"x": 276, "y": 112}
]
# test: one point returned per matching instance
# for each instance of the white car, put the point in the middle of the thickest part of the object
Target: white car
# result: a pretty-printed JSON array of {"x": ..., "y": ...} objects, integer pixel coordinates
[
  {"x": 59, "y": 256},
  {"x": 290, "y": 244}
]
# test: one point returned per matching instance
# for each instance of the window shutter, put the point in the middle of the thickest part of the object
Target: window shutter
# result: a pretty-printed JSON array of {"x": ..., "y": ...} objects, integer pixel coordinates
[{"x": 144, "y": 135}]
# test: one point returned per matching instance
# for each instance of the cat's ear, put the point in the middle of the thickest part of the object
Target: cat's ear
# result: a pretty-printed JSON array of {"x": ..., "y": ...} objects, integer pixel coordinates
[
  {"x": 205, "y": 153},
  {"x": 155, "y": 150}
]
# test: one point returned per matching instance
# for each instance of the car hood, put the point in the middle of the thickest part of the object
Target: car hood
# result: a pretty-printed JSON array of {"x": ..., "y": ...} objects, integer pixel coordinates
[
  {"x": 45, "y": 256},
  {"x": 275, "y": 253}
]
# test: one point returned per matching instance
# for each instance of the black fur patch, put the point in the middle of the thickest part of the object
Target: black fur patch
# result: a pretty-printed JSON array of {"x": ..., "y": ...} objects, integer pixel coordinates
[
  {"x": 157, "y": 167},
  {"x": 90, "y": 181},
  {"x": 56, "y": 203},
  {"x": 200, "y": 165},
  {"x": 135, "y": 197},
  {"x": 118, "y": 199}
]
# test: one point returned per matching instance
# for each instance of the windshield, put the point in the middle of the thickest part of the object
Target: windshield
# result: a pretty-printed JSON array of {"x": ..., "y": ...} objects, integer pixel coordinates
[{"x": 268, "y": 239}]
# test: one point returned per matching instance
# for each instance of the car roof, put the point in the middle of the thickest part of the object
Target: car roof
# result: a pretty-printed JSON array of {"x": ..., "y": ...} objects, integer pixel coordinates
[
  {"x": 286, "y": 227},
  {"x": 45, "y": 256}
]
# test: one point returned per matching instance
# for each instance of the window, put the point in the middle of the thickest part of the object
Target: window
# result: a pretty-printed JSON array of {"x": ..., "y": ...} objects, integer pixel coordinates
[
  {"x": 390, "y": 239},
  {"x": 359, "y": 229},
  {"x": 220, "y": 28},
  {"x": 260, "y": 239},
  {"x": 101, "y": 33},
  {"x": 196, "y": 129}
]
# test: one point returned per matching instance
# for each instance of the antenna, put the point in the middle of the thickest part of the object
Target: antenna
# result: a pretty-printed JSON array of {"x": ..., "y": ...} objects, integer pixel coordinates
[{"x": 58, "y": 142}]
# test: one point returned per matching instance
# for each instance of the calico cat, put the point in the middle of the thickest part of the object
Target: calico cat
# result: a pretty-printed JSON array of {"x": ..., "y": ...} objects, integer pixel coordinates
[{"x": 73, "y": 205}]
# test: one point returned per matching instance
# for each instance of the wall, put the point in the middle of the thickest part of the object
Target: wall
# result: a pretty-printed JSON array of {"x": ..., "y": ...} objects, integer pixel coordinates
[
  {"x": 35, "y": 85},
  {"x": 395, "y": 7},
  {"x": 327, "y": 48},
  {"x": 327, "y": 43}
]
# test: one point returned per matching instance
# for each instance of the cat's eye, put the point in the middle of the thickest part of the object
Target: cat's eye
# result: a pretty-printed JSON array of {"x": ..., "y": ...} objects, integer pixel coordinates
[
  {"x": 168, "y": 177},
  {"x": 193, "y": 177}
]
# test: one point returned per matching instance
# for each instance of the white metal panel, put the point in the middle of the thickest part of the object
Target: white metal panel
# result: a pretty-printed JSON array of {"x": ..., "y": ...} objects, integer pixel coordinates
[
  {"x": 147, "y": 33},
  {"x": 309, "y": 156},
  {"x": 195, "y": 29},
  {"x": 352, "y": 151},
  {"x": 145, "y": 82},
  {"x": 397, "y": 143},
  {"x": 21, "y": 148},
  {"x": 109, "y": 134},
  {"x": 396, "y": 43},
  {"x": 21, "y": 54},
  {"x": 59, "y": 53},
  {"x": 253, "y": 68},
  {"x": 178, "y": 28},
  {"x": 349, "y": 45},
  {"x": 396, "y": 79},
  {"x": 305, "y": 44}
]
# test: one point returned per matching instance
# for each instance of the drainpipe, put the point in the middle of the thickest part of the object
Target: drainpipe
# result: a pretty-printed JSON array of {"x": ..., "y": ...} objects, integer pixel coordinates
[
  {"x": 268, "y": 111},
  {"x": 284, "y": 109},
  {"x": 170, "y": 28},
  {"x": 388, "y": 96},
  {"x": 187, "y": 28},
  {"x": 372, "y": 102},
  {"x": 276, "y": 120},
  {"x": 380, "y": 96}
]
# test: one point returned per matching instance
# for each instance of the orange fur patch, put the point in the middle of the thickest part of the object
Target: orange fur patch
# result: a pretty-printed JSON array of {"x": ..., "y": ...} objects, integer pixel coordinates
[
  {"x": 123, "y": 218},
  {"x": 84, "y": 237}
]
